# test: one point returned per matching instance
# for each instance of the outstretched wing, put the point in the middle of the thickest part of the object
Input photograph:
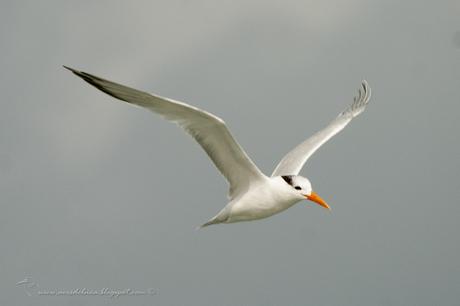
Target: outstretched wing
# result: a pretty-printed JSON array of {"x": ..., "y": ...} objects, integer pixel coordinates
[
  {"x": 208, "y": 130},
  {"x": 292, "y": 163}
]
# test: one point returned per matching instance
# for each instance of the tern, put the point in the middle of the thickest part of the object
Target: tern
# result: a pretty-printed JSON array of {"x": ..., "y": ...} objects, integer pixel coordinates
[{"x": 252, "y": 195}]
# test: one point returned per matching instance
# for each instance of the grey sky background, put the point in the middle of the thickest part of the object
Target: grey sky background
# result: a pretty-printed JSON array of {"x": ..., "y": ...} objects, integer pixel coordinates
[{"x": 98, "y": 194}]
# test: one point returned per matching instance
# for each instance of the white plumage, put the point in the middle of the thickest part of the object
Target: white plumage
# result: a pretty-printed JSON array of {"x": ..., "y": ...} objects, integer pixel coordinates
[{"x": 252, "y": 194}]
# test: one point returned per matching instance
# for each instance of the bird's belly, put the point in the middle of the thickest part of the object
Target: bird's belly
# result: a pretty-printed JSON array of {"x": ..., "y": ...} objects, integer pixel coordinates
[{"x": 257, "y": 207}]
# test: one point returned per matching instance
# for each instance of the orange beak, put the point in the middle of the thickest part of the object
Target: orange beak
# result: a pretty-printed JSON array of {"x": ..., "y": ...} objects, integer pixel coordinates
[{"x": 317, "y": 199}]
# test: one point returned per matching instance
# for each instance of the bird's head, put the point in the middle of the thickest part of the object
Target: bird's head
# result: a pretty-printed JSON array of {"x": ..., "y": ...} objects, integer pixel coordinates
[{"x": 301, "y": 188}]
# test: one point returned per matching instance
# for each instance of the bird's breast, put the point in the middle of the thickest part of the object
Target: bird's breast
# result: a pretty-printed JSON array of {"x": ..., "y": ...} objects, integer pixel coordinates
[{"x": 260, "y": 202}]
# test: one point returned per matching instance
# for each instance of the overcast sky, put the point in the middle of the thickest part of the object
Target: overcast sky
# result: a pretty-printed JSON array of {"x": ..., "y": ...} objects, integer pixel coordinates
[{"x": 98, "y": 194}]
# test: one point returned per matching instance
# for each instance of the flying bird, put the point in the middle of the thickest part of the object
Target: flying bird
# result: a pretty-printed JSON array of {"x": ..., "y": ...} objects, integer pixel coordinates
[{"x": 252, "y": 195}]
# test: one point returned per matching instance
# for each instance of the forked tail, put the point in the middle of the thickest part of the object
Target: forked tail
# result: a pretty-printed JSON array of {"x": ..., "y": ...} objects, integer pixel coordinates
[{"x": 216, "y": 220}]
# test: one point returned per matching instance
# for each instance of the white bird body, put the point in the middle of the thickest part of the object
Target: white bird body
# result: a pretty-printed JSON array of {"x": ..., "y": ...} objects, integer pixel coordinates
[
  {"x": 252, "y": 194},
  {"x": 263, "y": 199}
]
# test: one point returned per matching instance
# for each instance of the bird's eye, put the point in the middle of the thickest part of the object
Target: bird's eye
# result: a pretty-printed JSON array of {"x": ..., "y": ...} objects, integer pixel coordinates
[{"x": 297, "y": 187}]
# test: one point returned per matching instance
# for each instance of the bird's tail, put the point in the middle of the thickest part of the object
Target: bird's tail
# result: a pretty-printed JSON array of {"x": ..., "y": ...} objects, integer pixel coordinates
[
  {"x": 210, "y": 222},
  {"x": 215, "y": 220}
]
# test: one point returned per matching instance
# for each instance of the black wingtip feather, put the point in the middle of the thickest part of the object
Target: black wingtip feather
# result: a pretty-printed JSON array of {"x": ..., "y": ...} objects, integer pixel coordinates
[
  {"x": 70, "y": 69},
  {"x": 92, "y": 80},
  {"x": 74, "y": 71}
]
